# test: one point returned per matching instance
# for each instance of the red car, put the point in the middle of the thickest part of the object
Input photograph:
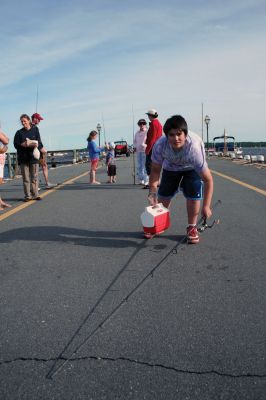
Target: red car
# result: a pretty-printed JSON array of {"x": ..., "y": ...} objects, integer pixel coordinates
[{"x": 121, "y": 147}]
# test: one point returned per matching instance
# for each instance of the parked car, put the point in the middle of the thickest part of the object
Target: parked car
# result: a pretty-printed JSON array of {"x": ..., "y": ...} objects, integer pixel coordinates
[{"x": 121, "y": 147}]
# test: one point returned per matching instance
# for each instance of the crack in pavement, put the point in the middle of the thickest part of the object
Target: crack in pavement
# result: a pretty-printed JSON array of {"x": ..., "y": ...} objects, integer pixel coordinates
[{"x": 143, "y": 363}]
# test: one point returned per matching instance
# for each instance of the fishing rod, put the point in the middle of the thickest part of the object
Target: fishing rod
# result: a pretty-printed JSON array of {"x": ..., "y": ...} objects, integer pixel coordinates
[
  {"x": 103, "y": 129},
  {"x": 133, "y": 153},
  {"x": 37, "y": 99},
  {"x": 53, "y": 369},
  {"x": 201, "y": 226},
  {"x": 150, "y": 274}
]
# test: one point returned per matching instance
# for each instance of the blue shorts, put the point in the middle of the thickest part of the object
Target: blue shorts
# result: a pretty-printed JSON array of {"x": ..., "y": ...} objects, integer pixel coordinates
[{"x": 188, "y": 181}]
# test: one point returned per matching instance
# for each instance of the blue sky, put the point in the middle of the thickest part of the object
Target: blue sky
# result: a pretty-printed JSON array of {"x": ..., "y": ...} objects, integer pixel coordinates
[{"x": 93, "y": 61}]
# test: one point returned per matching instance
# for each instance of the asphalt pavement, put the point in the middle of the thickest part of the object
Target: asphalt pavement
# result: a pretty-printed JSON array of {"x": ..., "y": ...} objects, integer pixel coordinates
[{"x": 89, "y": 309}]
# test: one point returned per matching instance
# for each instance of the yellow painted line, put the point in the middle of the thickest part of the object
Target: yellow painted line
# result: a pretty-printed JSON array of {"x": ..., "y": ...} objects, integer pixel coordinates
[
  {"x": 25, "y": 205},
  {"x": 256, "y": 189}
]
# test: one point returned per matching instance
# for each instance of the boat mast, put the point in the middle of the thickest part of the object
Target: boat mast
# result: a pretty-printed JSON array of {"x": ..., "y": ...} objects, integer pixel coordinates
[
  {"x": 225, "y": 142},
  {"x": 37, "y": 99},
  {"x": 103, "y": 129}
]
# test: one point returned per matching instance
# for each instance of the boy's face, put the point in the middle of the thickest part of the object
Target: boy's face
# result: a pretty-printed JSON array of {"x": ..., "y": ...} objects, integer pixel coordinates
[
  {"x": 35, "y": 121},
  {"x": 176, "y": 138}
]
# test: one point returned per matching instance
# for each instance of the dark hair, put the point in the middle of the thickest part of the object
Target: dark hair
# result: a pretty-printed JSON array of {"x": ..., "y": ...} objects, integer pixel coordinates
[
  {"x": 175, "y": 122},
  {"x": 91, "y": 135},
  {"x": 142, "y": 121},
  {"x": 24, "y": 116}
]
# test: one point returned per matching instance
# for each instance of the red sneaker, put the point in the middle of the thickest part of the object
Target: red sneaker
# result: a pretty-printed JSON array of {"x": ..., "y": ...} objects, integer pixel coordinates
[{"x": 192, "y": 235}]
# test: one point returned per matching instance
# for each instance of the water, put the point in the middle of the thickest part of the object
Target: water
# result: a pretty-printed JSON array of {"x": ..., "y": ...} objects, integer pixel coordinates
[
  {"x": 254, "y": 151},
  {"x": 67, "y": 157}
]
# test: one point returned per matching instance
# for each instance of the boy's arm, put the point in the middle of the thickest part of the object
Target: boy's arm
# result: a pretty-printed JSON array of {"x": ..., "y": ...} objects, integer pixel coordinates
[
  {"x": 206, "y": 176},
  {"x": 40, "y": 145},
  {"x": 154, "y": 176},
  {"x": 153, "y": 183}
]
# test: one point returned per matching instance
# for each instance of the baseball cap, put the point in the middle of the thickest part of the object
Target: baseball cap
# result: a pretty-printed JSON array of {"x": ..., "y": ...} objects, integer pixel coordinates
[
  {"x": 37, "y": 116},
  {"x": 152, "y": 112}
]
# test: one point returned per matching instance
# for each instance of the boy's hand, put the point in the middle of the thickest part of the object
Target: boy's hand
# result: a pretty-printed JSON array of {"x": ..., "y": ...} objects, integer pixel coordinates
[
  {"x": 152, "y": 198},
  {"x": 206, "y": 212}
]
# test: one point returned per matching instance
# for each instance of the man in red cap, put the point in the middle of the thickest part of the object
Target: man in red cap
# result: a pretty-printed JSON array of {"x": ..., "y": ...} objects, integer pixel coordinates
[
  {"x": 36, "y": 118},
  {"x": 154, "y": 133}
]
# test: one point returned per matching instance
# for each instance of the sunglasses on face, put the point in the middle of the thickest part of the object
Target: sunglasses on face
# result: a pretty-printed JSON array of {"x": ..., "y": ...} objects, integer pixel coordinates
[{"x": 142, "y": 123}]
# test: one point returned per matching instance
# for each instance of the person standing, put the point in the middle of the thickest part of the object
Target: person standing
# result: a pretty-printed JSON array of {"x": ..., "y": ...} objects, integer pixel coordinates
[
  {"x": 3, "y": 149},
  {"x": 154, "y": 133},
  {"x": 25, "y": 140},
  {"x": 181, "y": 155},
  {"x": 94, "y": 153},
  {"x": 140, "y": 147},
  {"x": 36, "y": 119},
  {"x": 110, "y": 162}
]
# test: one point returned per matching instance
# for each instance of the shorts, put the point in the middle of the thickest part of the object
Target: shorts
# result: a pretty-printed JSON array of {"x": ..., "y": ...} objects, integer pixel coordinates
[
  {"x": 94, "y": 164},
  {"x": 188, "y": 181},
  {"x": 111, "y": 170}
]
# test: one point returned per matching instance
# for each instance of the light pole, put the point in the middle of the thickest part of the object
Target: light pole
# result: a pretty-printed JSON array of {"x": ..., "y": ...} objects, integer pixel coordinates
[
  {"x": 99, "y": 127},
  {"x": 207, "y": 121}
]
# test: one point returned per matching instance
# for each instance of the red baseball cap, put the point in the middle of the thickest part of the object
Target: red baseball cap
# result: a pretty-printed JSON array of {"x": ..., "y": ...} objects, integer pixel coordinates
[{"x": 37, "y": 116}]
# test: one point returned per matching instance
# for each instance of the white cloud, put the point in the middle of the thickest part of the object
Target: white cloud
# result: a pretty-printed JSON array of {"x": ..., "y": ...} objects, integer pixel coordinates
[{"x": 180, "y": 59}]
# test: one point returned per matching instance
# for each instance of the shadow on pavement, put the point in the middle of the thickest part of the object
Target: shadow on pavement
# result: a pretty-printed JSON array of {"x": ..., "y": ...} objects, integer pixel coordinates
[{"x": 79, "y": 237}]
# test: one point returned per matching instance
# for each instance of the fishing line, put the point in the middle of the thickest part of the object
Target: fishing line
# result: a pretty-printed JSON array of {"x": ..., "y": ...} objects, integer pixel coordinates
[
  {"x": 201, "y": 226},
  {"x": 139, "y": 247},
  {"x": 150, "y": 274}
]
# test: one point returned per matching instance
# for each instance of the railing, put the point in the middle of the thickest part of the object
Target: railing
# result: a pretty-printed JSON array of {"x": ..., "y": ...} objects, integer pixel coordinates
[{"x": 54, "y": 158}]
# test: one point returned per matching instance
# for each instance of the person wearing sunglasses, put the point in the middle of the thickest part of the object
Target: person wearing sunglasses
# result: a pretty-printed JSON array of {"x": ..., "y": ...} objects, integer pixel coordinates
[
  {"x": 181, "y": 156},
  {"x": 140, "y": 146}
]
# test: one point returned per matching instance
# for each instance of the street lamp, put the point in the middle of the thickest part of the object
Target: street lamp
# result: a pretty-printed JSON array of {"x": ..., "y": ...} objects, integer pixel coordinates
[
  {"x": 207, "y": 121},
  {"x": 99, "y": 127}
]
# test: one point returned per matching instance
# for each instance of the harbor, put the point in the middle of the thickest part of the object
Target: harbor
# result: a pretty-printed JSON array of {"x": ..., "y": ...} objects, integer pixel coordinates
[
  {"x": 132, "y": 200},
  {"x": 91, "y": 309}
]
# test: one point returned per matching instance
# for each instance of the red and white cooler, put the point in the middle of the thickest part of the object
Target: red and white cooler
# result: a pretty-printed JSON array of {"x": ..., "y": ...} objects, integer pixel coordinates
[{"x": 155, "y": 220}]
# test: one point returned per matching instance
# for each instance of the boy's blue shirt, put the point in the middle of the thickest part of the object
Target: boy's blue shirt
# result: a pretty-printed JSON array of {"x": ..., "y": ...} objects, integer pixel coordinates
[{"x": 110, "y": 156}]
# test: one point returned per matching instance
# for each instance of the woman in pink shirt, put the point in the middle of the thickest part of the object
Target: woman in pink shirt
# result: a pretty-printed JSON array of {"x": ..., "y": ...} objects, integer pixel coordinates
[{"x": 140, "y": 146}]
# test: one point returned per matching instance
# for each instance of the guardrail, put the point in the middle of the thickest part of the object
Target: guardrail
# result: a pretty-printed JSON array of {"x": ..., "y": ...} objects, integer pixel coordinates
[{"x": 54, "y": 158}]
